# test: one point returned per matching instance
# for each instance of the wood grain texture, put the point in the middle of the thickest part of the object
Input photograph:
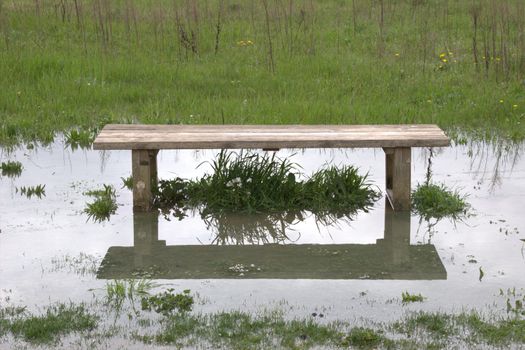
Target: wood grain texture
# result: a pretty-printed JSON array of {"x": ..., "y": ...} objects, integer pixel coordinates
[
  {"x": 398, "y": 177},
  {"x": 133, "y": 136}
]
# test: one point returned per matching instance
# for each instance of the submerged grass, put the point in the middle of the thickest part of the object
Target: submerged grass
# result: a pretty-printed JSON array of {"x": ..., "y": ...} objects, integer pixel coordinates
[
  {"x": 254, "y": 183},
  {"x": 118, "y": 291},
  {"x": 437, "y": 201},
  {"x": 71, "y": 64},
  {"x": 180, "y": 327},
  {"x": 11, "y": 168},
  {"x": 55, "y": 322},
  {"x": 406, "y": 298},
  {"x": 104, "y": 205}
]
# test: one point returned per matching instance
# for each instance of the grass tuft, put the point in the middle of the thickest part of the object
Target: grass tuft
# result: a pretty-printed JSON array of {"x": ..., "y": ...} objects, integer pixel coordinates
[
  {"x": 437, "y": 201},
  {"x": 82, "y": 139},
  {"x": 127, "y": 182},
  {"x": 58, "y": 320},
  {"x": 411, "y": 298},
  {"x": 363, "y": 338},
  {"x": 168, "y": 303},
  {"x": 104, "y": 205},
  {"x": 30, "y": 191},
  {"x": 11, "y": 168}
]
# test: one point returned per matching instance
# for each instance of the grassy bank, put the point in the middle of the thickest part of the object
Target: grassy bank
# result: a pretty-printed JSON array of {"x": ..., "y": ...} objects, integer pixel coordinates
[
  {"x": 81, "y": 64},
  {"x": 167, "y": 319}
]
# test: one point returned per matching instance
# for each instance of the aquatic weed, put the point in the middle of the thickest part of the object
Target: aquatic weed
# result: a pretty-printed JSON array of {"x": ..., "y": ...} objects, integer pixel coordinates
[
  {"x": 168, "y": 303},
  {"x": 406, "y": 298},
  {"x": 118, "y": 291},
  {"x": 104, "y": 205}
]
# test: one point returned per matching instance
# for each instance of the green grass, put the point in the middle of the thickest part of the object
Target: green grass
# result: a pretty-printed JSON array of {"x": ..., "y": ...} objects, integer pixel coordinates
[
  {"x": 104, "y": 205},
  {"x": 127, "y": 182},
  {"x": 468, "y": 327},
  {"x": 330, "y": 62},
  {"x": 168, "y": 303},
  {"x": 30, "y": 191},
  {"x": 437, "y": 201},
  {"x": 55, "y": 322},
  {"x": 11, "y": 168},
  {"x": 360, "y": 337},
  {"x": 79, "y": 138},
  {"x": 261, "y": 183},
  {"x": 120, "y": 291},
  {"x": 242, "y": 330},
  {"x": 406, "y": 298}
]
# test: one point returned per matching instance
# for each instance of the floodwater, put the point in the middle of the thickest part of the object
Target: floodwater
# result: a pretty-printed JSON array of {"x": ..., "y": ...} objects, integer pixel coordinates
[{"x": 353, "y": 270}]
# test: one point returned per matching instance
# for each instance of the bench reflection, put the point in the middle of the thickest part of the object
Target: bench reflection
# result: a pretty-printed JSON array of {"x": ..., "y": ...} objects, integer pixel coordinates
[{"x": 391, "y": 257}]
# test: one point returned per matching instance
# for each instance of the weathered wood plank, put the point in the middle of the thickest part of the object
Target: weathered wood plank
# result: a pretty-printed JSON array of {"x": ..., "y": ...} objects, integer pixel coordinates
[
  {"x": 268, "y": 136},
  {"x": 144, "y": 172}
]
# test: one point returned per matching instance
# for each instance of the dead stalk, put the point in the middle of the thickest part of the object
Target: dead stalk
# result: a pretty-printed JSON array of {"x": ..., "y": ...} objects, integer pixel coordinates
[{"x": 271, "y": 62}]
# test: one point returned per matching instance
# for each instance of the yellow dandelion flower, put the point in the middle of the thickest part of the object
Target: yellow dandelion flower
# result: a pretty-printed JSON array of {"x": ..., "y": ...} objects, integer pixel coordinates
[
  {"x": 514, "y": 106},
  {"x": 250, "y": 42},
  {"x": 444, "y": 60},
  {"x": 500, "y": 101},
  {"x": 442, "y": 55}
]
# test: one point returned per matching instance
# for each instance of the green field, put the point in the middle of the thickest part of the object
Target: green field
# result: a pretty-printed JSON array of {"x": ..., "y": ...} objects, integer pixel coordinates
[{"x": 80, "y": 64}]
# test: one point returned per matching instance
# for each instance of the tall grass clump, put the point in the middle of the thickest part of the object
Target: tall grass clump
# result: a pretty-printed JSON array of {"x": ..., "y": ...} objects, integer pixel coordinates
[
  {"x": 437, "y": 201},
  {"x": 104, "y": 205},
  {"x": 261, "y": 183},
  {"x": 248, "y": 182}
]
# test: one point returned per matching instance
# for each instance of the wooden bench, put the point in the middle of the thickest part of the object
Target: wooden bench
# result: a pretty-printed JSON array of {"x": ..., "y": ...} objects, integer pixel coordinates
[{"x": 145, "y": 141}]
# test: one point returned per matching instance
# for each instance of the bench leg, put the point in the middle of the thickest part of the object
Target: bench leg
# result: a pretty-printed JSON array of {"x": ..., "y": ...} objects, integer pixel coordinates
[
  {"x": 398, "y": 168},
  {"x": 144, "y": 172}
]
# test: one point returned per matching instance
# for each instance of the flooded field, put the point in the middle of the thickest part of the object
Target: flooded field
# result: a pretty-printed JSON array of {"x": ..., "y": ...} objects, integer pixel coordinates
[{"x": 353, "y": 270}]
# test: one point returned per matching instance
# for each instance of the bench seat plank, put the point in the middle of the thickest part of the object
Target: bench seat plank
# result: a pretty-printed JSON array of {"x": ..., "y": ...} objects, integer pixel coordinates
[{"x": 135, "y": 136}]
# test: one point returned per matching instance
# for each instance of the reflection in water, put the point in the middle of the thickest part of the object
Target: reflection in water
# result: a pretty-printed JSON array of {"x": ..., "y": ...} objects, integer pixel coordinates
[
  {"x": 390, "y": 258},
  {"x": 239, "y": 228}
]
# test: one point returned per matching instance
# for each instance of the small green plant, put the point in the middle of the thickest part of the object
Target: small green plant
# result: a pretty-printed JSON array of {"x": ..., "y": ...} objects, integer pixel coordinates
[
  {"x": 436, "y": 201},
  {"x": 411, "y": 298},
  {"x": 30, "y": 191},
  {"x": 11, "y": 168},
  {"x": 363, "y": 338},
  {"x": 118, "y": 291},
  {"x": 104, "y": 205},
  {"x": 168, "y": 303},
  {"x": 79, "y": 138},
  {"x": 127, "y": 182}
]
